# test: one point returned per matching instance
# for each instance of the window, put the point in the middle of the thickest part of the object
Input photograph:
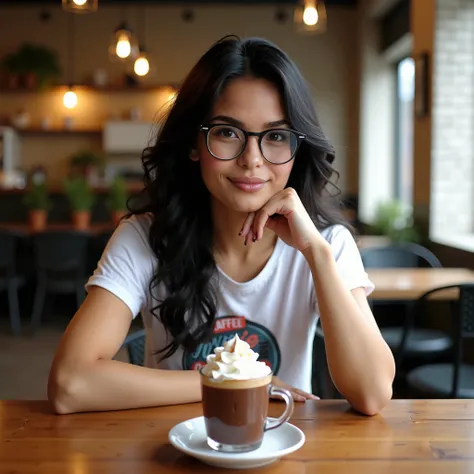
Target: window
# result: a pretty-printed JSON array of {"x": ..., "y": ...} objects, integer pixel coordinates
[{"x": 405, "y": 70}]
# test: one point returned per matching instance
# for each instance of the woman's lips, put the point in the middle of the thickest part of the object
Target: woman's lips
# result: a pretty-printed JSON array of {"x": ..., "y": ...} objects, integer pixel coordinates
[{"x": 249, "y": 185}]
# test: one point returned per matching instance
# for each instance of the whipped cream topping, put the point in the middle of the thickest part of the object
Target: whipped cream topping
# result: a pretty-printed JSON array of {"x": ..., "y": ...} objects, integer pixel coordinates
[{"x": 234, "y": 361}]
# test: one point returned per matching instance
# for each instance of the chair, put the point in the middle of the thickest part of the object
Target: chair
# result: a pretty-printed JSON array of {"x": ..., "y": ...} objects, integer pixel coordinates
[
  {"x": 101, "y": 240},
  {"x": 9, "y": 279},
  {"x": 322, "y": 384},
  {"x": 403, "y": 255},
  {"x": 61, "y": 259},
  {"x": 421, "y": 342},
  {"x": 135, "y": 345},
  {"x": 455, "y": 379},
  {"x": 97, "y": 247}
]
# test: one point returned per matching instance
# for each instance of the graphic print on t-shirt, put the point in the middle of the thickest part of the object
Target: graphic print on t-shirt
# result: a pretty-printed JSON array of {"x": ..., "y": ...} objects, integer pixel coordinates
[{"x": 259, "y": 338}]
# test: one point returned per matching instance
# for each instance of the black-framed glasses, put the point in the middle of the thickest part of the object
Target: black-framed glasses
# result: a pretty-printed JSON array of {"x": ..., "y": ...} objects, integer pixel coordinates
[{"x": 227, "y": 142}]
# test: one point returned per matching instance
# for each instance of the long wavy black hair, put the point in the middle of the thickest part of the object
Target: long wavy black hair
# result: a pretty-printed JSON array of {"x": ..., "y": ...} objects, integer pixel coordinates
[{"x": 178, "y": 201}]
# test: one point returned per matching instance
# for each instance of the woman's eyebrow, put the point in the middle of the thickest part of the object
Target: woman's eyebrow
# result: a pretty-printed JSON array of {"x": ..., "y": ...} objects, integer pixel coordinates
[{"x": 238, "y": 123}]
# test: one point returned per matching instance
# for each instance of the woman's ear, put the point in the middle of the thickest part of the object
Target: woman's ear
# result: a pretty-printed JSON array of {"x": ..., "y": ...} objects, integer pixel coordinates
[{"x": 194, "y": 155}]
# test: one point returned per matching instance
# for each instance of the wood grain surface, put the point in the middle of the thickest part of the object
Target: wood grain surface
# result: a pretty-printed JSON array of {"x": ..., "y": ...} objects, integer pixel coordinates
[{"x": 409, "y": 437}]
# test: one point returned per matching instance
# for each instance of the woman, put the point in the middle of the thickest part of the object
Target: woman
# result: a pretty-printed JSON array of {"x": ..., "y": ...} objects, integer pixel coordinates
[{"x": 235, "y": 237}]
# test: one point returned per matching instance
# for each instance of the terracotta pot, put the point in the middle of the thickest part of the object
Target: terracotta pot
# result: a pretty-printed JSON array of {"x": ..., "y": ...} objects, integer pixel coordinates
[
  {"x": 81, "y": 220},
  {"x": 30, "y": 80},
  {"x": 37, "y": 220},
  {"x": 12, "y": 81},
  {"x": 117, "y": 216}
]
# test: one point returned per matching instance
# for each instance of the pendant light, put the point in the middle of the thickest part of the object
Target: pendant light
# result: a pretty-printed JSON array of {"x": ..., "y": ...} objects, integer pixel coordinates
[
  {"x": 123, "y": 45},
  {"x": 70, "y": 97},
  {"x": 141, "y": 66},
  {"x": 311, "y": 17},
  {"x": 80, "y": 6}
]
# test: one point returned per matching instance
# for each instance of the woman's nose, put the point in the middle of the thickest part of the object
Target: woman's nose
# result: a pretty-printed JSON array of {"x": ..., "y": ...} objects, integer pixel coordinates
[{"x": 251, "y": 157}]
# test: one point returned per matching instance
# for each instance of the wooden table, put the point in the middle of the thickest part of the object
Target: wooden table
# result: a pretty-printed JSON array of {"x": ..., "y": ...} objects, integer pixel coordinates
[
  {"x": 410, "y": 283},
  {"x": 409, "y": 437}
]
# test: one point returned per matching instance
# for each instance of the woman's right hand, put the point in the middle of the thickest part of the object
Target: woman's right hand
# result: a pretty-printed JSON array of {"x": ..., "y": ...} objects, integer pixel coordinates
[{"x": 297, "y": 394}]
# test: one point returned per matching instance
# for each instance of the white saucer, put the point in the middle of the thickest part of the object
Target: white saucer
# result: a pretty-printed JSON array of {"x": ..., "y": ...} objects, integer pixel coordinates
[{"x": 190, "y": 438}]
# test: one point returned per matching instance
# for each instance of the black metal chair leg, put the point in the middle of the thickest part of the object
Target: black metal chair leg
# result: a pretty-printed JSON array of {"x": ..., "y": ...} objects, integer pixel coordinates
[
  {"x": 38, "y": 306},
  {"x": 14, "y": 309}
]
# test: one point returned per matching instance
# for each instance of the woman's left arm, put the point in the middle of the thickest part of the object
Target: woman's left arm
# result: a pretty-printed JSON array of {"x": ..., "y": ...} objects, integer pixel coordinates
[{"x": 360, "y": 362}]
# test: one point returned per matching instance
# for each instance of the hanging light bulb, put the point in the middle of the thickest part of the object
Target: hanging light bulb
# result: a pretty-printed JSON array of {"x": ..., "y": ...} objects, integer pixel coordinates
[
  {"x": 70, "y": 99},
  {"x": 142, "y": 65},
  {"x": 123, "y": 49},
  {"x": 80, "y": 6},
  {"x": 123, "y": 45},
  {"x": 310, "y": 16}
]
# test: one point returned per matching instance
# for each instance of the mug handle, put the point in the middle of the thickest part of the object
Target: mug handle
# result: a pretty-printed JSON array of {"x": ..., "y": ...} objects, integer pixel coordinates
[{"x": 286, "y": 396}]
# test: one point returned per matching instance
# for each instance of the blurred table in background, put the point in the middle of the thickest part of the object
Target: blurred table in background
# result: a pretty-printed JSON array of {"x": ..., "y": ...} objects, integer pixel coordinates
[{"x": 410, "y": 283}]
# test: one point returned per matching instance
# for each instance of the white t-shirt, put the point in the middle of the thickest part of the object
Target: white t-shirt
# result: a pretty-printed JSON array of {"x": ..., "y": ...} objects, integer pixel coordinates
[{"x": 276, "y": 312}]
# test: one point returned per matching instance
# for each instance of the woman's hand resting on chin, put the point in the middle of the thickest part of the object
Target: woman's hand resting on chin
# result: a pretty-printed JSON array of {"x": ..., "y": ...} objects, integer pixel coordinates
[{"x": 285, "y": 215}]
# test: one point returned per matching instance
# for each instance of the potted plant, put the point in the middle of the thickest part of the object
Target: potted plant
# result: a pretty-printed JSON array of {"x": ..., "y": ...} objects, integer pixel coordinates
[
  {"x": 39, "y": 65},
  {"x": 81, "y": 198},
  {"x": 117, "y": 199},
  {"x": 12, "y": 69},
  {"x": 36, "y": 66},
  {"x": 395, "y": 220},
  {"x": 85, "y": 162},
  {"x": 46, "y": 67},
  {"x": 38, "y": 202}
]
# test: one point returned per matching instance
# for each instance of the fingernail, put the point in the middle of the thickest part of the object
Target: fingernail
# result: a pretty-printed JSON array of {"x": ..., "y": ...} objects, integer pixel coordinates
[
  {"x": 240, "y": 233},
  {"x": 245, "y": 242},
  {"x": 254, "y": 239}
]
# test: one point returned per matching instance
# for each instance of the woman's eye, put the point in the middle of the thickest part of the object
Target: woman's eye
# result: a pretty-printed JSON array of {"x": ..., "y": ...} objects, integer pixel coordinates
[
  {"x": 226, "y": 133},
  {"x": 276, "y": 137}
]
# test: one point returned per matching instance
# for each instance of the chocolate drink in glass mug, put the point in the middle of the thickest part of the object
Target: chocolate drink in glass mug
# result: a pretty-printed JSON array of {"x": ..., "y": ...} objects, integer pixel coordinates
[{"x": 235, "y": 393}]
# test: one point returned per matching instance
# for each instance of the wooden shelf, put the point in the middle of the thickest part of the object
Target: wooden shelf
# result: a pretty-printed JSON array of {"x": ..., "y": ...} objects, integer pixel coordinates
[
  {"x": 57, "y": 132},
  {"x": 92, "y": 88}
]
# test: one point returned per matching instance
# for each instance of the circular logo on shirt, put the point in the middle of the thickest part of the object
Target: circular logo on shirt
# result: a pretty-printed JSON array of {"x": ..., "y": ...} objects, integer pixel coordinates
[{"x": 258, "y": 337}]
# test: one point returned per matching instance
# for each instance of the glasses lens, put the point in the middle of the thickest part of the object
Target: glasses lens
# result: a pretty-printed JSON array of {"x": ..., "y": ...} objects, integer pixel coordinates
[
  {"x": 225, "y": 142},
  {"x": 279, "y": 146}
]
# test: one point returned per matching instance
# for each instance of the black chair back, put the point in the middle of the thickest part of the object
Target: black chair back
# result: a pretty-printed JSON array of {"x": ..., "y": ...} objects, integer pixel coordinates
[
  {"x": 464, "y": 328},
  {"x": 135, "y": 345},
  {"x": 405, "y": 255},
  {"x": 61, "y": 251},
  {"x": 9, "y": 278},
  {"x": 462, "y": 311},
  {"x": 8, "y": 249}
]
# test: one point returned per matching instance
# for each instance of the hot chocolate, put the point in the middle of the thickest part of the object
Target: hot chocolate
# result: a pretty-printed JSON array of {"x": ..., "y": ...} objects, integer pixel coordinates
[
  {"x": 235, "y": 394},
  {"x": 235, "y": 411}
]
